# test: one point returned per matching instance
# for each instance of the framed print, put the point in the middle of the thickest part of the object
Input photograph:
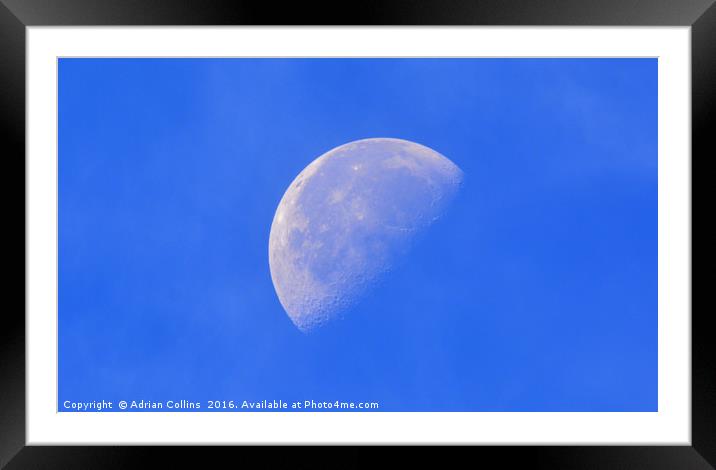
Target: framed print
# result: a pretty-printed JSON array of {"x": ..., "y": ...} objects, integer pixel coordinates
[{"x": 430, "y": 226}]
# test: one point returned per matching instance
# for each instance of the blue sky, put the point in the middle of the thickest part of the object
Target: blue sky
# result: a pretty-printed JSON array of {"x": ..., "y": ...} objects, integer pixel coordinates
[{"x": 536, "y": 292}]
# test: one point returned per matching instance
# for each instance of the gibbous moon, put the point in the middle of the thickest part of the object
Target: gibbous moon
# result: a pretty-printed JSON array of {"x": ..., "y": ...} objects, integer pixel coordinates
[{"x": 347, "y": 217}]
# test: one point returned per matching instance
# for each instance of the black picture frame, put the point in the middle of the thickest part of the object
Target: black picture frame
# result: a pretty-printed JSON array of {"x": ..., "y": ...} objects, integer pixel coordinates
[{"x": 16, "y": 15}]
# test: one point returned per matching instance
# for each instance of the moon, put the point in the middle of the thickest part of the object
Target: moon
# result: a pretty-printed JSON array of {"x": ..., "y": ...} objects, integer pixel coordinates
[{"x": 348, "y": 217}]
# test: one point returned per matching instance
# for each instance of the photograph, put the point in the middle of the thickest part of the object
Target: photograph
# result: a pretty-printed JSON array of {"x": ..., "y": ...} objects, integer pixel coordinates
[
  {"x": 357, "y": 234},
  {"x": 454, "y": 227}
]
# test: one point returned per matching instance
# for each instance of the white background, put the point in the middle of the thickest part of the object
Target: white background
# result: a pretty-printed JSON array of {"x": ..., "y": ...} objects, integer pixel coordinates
[{"x": 670, "y": 425}]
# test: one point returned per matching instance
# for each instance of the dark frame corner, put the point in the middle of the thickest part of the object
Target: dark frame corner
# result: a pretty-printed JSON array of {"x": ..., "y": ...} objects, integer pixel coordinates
[{"x": 15, "y": 15}]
